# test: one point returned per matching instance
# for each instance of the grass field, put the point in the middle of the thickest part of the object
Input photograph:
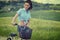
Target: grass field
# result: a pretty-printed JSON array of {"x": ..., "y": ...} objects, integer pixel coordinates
[{"x": 45, "y": 24}]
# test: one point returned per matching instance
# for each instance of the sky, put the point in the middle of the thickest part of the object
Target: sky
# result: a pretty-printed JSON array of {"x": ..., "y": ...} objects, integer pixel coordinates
[{"x": 48, "y": 1}]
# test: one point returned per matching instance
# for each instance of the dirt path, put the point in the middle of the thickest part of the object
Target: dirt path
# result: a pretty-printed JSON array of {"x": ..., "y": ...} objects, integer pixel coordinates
[{"x": 5, "y": 38}]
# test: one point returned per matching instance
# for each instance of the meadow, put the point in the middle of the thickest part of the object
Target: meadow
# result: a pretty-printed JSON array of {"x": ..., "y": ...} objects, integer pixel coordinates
[{"x": 45, "y": 24}]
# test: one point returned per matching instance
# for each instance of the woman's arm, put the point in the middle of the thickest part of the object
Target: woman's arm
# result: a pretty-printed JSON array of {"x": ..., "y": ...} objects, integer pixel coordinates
[{"x": 14, "y": 19}]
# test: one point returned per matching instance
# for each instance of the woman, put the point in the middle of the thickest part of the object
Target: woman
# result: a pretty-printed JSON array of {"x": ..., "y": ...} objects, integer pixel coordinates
[{"x": 23, "y": 15}]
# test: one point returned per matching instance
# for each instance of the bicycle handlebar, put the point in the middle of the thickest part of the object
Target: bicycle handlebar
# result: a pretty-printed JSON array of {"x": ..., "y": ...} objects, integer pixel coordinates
[{"x": 15, "y": 24}]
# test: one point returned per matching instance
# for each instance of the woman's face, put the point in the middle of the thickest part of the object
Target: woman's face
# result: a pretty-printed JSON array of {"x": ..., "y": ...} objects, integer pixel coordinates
[{"x": 26, "y": 6}]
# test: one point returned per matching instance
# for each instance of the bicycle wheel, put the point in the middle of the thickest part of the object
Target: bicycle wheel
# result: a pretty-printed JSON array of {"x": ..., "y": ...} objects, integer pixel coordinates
[{"x": 9, "y": 39}]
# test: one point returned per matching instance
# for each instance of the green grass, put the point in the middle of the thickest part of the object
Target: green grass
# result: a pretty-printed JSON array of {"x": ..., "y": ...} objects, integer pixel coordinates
[
  {"x": 46, "y": 29},
  {"x": 47, "y": 14},
  {"x": 6, "y": 26},
  {"x": 40, "y": 14},
  {"x": 42, "y": 29}
]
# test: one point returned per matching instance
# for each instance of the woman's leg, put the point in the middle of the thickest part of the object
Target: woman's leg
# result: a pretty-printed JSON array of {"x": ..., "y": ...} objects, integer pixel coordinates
[
  {"x": 27, "y": 39},
  {"x": 23, "y": 39}
]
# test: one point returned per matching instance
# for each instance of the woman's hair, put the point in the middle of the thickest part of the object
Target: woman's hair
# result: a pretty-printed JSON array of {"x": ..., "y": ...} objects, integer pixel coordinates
[{"x": 30, "y": 3}]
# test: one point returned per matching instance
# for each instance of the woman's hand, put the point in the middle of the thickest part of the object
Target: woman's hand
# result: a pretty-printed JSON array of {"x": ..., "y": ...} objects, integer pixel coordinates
[
  {"x": 14, "y": 23},
  {"x": 27, "y": 24}
]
